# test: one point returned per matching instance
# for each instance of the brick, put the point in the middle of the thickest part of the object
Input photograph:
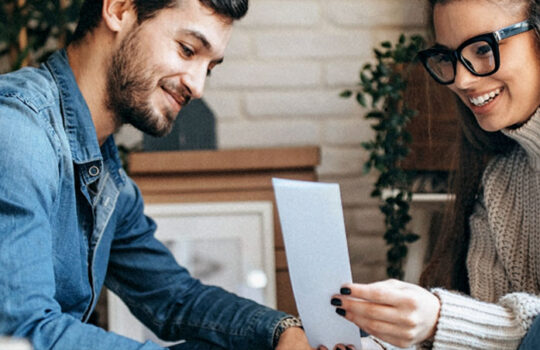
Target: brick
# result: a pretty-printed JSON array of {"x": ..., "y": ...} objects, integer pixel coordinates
[
  {"x": 376, "y": 12},
  {"x": 341, "y": 161},
  {"x": 299, "y": 104},
  {"x": 267, "y": 133},
  {"x": 314, "y": 44},
  {"x": 281, "y": 13},
  {"x": 225, "y": 105},
  {"x": 240, "y": 46},
  {"x": 347, "y": 132},
  {"x": 343, "y": 73},
  {"x": 250, "y": 74},
  {"x": 392, "y": 35}
]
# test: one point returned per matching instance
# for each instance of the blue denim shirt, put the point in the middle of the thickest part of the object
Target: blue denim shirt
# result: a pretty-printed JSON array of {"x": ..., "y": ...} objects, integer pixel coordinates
[{"x": 71, "y": 221}]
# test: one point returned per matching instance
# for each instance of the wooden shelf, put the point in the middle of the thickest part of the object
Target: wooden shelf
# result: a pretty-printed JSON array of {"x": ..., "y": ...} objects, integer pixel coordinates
[{"x": 234, "y": 160}]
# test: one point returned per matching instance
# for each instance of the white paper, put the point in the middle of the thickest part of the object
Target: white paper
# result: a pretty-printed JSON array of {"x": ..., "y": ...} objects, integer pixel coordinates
[{"x": 316, "y": 248}]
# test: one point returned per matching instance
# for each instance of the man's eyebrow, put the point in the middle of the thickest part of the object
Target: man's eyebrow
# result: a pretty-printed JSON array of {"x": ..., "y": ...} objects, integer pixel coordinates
[{"x": 197, "y": 35}]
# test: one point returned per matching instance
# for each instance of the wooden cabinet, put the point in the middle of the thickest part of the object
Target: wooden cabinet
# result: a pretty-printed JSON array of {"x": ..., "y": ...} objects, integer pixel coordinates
[
  {"x": 434, "y": 129},
  {"x": 223, "y": 176}
]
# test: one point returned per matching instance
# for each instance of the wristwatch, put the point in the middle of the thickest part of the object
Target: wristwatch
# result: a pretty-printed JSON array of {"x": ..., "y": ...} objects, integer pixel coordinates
[{"x": 285, "y": 323}]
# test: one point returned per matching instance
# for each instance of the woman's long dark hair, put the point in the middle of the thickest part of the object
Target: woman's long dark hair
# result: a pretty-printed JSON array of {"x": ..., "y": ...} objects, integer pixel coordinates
[{"x": 447, "y": 267}]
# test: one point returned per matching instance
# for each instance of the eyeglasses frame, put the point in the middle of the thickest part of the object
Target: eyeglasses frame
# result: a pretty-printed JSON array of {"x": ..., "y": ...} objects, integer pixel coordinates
[{"x": 455, "y": 55}]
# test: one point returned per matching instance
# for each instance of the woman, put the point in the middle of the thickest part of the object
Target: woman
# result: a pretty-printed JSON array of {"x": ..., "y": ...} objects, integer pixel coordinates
[{"x": 485, "y": 275}]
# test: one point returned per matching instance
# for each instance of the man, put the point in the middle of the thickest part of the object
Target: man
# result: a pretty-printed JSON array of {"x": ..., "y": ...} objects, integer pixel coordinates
[{"x": 72, "y": 221}]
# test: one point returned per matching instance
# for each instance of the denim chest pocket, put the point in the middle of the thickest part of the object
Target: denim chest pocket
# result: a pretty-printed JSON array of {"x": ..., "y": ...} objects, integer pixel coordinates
[{"x": 104, "y": 203}]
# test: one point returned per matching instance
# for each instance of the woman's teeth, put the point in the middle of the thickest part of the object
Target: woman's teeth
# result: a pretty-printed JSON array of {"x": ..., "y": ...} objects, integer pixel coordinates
[{"x": 484, "y": 99}]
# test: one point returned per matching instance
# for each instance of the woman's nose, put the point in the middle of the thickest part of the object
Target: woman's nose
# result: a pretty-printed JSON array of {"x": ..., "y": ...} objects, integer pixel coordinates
[{"x": 464, "y": 78}]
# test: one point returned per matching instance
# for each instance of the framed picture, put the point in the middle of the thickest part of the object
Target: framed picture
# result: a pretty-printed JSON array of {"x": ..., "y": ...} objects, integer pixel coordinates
[{"x": 230, "y": 245}]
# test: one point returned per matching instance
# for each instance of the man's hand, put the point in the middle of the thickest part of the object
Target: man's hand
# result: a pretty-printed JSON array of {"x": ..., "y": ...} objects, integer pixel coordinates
[{"x": 293, "y": 338}]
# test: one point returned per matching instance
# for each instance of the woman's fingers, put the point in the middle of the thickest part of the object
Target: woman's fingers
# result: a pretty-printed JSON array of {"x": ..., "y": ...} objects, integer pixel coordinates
[
  {"x": 397, "y": 312},
  {"x": 390, "y": 292},
  {"x": 356, "y": 309},
  {"x": 344, "y": 347}
]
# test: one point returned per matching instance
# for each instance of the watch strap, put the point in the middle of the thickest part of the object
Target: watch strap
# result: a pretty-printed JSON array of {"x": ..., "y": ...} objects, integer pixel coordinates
[{"x": 283, "y": 325}]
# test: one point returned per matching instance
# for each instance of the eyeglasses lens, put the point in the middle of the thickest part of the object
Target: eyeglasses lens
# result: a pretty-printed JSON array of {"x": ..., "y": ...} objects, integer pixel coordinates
[
  {"x": 442, "y": 66},
  {"x": 477, "y": 56}
]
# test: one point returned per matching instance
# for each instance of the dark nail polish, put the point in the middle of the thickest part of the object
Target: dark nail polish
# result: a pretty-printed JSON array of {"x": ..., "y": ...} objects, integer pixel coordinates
[
  {"x": 348, "y": 348},
  {"x": 335, "y": 302},
  {"x": 341, "y": 311},
  {"x": 345, "y": 291}
]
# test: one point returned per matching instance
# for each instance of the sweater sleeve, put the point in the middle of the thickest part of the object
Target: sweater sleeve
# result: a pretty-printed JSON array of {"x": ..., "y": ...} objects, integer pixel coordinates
[{"x": 465, "y": 322}]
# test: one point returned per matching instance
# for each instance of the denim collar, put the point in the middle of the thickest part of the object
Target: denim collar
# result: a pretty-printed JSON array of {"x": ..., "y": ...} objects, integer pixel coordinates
[{"x": 78, "y": 123}]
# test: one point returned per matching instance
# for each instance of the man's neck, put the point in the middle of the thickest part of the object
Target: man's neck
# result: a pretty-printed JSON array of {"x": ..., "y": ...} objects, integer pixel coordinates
[{"x": 88, "y": 62}]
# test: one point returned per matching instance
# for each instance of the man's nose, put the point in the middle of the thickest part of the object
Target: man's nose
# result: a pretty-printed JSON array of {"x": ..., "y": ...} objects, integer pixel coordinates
[{"x": 195, "y": 79}]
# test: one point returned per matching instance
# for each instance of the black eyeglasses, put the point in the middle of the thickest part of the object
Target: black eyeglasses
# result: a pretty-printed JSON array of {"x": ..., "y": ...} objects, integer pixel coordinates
[{"x": 480, "y": 54}]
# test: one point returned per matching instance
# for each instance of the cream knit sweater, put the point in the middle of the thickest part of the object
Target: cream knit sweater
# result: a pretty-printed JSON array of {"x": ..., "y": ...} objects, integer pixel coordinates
[{"x": 503, "y": 260}]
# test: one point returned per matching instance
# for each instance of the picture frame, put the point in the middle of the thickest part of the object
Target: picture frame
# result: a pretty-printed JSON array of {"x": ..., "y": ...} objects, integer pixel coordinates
[{"x": 228, "y": 244}]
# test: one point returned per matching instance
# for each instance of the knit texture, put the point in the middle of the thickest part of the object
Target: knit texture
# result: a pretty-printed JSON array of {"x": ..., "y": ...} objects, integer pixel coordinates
[{"x": 503, "y": 260}]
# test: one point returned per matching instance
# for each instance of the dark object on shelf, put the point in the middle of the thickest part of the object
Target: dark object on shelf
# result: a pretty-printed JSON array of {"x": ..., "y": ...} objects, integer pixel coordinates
[{"x": 194, "y": 129}]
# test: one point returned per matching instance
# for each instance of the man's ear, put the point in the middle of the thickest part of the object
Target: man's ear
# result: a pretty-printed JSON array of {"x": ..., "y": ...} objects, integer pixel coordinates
[{"x": 118, "y": 14}]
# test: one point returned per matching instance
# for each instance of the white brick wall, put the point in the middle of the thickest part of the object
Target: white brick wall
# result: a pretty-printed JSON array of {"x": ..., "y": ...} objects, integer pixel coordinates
[
  {"x": 285, "y": 71},
  {"x": 373, "y": 13},
  {"x": 284, "y": 68}
]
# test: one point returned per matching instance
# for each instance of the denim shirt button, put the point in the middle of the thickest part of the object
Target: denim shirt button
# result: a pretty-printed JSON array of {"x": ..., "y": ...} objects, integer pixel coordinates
[{"x": 94, "y": 170}]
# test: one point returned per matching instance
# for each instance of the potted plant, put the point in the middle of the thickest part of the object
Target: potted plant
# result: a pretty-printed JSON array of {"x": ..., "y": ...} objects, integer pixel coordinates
[
  {"x": 381, "y": 89},
  {"x": 31, "y": 29}
]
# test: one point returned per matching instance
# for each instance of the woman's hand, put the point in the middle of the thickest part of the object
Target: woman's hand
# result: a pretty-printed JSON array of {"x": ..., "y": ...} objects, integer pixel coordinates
[{"x": 397, "y": 312}]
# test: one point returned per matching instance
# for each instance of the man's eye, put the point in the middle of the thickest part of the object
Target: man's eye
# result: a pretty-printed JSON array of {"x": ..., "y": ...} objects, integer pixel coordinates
[{"x": 186, "y": 51}]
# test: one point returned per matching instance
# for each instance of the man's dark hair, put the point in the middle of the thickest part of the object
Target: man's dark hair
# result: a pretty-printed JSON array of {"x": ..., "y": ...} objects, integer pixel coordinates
[{"x": 91, "y": 12}]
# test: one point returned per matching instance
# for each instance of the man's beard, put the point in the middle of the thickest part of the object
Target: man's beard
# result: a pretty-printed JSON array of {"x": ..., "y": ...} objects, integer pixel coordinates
[{"x": 130, "y": 85}]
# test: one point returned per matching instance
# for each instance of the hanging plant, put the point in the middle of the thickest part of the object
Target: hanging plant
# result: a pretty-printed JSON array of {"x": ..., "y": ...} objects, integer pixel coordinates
[
  {"x": 381, "y": 88},
  {"x": 31, "y": 29}
]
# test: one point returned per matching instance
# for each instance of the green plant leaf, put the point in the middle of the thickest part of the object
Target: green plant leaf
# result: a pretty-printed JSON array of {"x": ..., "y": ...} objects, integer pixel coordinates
[
  {"x": 345, "y": 94},
  {"x": 411, "y": 238},
  {"x": 361, "y": 99}
]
